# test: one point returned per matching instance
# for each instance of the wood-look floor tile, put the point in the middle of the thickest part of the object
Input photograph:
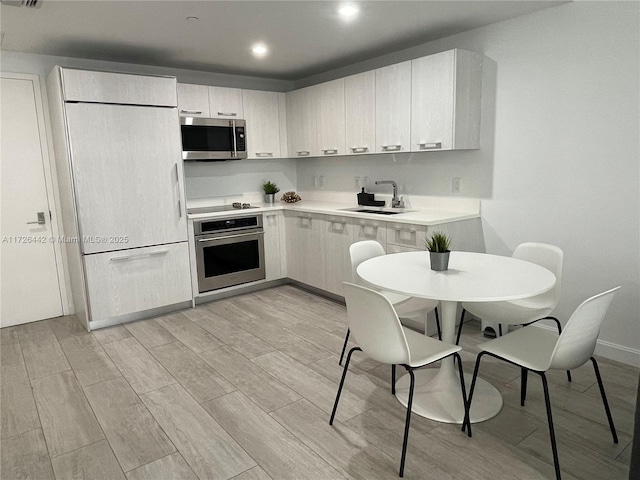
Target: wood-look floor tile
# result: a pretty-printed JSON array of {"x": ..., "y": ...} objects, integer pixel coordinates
[
  {"x": 143, "y": 372},
  {"x": 316, "y": 313},
  {"x": 205, "y": 445},
  {"x": 111, "y": 334},
  {"x": 94, "y": 462},
  {"x": 170, "y": 467},
  {"x": 311, "y": 385},
  {"x": 18, "y": 408},
  {"x": 230, "y": 334},
  {"x": 268, "y": 442},
  {"x": 188, "y": 332},
  {"x": 270, "y": 314},
  {"x": 198, "y": 378},
  {"x": 329, "y": 341},
  {"x": 88, "y": 359},
  {"x": 41, "y": 350},
  {"x": 134, "y": 435},
  {"x": 583, "y": 462},
  {"x": 342, "y": 448},
  {"x": 67, "y": 326},
  {"x": 150, "y": 333},
  {"x": 10, "y": 351},
  {"x": 253, "y": 381},
  {"x": 294, "y": 346},
  {"x": 67, "y": 420},
  {"x": 25, "y": 456},
  {"x": 255, "y": 473}
]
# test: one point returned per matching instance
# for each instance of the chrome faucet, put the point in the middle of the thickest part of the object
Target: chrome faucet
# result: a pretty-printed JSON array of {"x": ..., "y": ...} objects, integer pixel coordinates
[{"x": 395, "y": 201}]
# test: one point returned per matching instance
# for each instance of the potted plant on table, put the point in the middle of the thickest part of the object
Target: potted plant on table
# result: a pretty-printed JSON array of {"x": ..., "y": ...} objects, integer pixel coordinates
[
  {"x": 438, "y": 247},
  {"x": 270, "y": 190}
]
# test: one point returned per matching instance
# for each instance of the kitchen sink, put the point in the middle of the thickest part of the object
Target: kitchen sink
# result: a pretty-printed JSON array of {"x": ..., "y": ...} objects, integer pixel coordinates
[{"x": 376, "y": 211}]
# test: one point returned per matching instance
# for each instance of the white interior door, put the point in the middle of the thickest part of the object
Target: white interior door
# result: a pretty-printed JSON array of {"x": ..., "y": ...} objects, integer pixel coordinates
[{"x": 30, "y": 287}]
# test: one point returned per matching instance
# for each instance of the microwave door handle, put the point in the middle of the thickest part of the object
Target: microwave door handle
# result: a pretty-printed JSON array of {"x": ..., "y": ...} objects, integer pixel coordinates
[{"x": 233, "y": 134}]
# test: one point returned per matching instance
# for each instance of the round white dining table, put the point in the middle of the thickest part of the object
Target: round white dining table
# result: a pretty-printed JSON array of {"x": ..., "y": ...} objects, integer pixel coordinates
[{"x": 471, "y": 277}]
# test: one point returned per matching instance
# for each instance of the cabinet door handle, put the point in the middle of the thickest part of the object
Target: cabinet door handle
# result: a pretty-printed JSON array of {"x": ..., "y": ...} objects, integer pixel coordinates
[
  {"x": 229, "y": 114},
  {"x": 330, "y": 151},
  {"x": 40, "y": 220},
  {"x": 359, "y": 149},
  {"x": 264, "y": 154},
  {"x": 303, "y": 153},
  {"x": 391, "y": 148},
  {"x": 192, "y": 112},
  {"x": 125, "y": 258},
  {"x": 179, "y": 190},
  {"x": 430, "y": 146}
]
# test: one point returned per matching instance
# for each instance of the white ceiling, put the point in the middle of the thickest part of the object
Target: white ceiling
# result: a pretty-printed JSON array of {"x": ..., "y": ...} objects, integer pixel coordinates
[{"x": 304, "y": 37}]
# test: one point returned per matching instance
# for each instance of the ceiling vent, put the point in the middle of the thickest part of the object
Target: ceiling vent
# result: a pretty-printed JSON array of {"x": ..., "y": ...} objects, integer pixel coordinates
[{"x": 23, "y": 3}]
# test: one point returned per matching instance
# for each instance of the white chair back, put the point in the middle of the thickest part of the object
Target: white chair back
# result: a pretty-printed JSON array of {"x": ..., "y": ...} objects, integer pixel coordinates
[
  {"x": 578, "y": 339},
  {"x": 549, "y": 257},
  {"x": 361, "y": 251},
  {"x": 375, "y": 326}
]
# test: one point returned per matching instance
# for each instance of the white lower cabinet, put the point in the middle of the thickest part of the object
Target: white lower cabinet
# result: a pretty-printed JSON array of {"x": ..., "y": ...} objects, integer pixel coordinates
[
  {"x": 404, "y": 237},
  {"x": 370, "y": 230},
  {"x": 338, "y": 235},
  {"x": 129, "y": 281},
  {"x": 305, "y": 248},
  {"x": 274, "y": 245}
]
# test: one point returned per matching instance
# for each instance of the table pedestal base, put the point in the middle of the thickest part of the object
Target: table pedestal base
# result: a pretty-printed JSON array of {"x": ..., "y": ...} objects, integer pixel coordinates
[{"x": 438, "y": 397}]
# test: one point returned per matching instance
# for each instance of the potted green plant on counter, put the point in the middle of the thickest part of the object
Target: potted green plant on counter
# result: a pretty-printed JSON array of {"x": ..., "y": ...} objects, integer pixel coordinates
[
  {"x": 438, "y": 247},
  {"x": 270, "y": 190}
]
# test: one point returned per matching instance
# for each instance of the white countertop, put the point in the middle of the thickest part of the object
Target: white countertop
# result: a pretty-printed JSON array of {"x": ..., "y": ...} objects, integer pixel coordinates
[{"x": 424, "y": 215}]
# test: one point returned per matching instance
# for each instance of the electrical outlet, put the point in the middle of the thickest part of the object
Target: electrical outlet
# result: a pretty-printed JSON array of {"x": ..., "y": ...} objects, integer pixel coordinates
[
  {"x": 321, "y": 181},
  {"x": 365, "y": 180},
  {"x": 314, "y": 181},
  {"x": 456, "y": 185},
  {"x": 356, "y": 183}
]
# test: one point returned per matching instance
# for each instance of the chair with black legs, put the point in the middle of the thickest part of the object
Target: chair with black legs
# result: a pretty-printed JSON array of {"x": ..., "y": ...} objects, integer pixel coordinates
[
  {"x": 379, "y": 334},
  {"x": 539, "y": 350},
  {"x": 527, "y": 310},
  {"x": 405, "y": 306}
]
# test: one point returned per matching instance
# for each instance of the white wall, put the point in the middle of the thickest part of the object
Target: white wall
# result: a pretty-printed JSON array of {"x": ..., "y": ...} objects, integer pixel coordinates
[{"x": 560, "y": 157}]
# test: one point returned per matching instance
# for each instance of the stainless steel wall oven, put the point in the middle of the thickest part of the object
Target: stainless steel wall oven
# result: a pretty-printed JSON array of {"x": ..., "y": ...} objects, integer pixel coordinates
[{"x": 229, "y": 251}]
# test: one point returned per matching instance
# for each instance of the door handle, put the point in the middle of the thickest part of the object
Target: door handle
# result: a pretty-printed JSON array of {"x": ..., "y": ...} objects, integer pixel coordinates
[{"x": 40, "y": 219}]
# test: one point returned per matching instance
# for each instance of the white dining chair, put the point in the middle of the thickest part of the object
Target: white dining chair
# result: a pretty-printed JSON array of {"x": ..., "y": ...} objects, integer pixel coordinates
[
  {"x": 539, "y": 350},
  {"x": 379, "y": 334},
  {"x": 527, "y": 310},
  {"x": 406, "y": 307}
]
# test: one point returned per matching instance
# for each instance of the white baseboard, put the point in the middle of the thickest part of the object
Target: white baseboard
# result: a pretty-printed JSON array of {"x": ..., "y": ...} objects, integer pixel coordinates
[{"x": 612, "y": 351}]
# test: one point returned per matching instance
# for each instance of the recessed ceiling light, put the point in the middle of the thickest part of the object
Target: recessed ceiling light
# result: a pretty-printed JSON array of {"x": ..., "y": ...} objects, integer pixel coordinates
[
  {"x": 348, "y": 12},
  {"x": 259, "y": 50}
]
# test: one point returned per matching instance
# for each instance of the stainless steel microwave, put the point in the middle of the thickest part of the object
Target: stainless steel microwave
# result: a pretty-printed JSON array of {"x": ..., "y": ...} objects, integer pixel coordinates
[{"x": 213, "y": 139}]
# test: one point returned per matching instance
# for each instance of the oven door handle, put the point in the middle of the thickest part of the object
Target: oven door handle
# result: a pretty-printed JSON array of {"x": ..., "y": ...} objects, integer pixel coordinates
[{"x": 213, "y": 239}]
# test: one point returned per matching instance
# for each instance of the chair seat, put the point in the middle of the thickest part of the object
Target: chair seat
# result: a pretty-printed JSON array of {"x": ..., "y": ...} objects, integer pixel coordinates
[
  {"x": 424, "y": 349},
  {"x": 510, "y": 313},
  {"x": 530, "y": 347}
]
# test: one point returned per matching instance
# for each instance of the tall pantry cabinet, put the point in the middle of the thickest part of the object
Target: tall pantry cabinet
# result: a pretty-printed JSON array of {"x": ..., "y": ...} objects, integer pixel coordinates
[{"x": 117, "y": 145}]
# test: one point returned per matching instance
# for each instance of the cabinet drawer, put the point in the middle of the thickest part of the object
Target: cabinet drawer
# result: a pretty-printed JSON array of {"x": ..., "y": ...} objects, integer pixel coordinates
[
  {"x": 406, "y": 234},
  {"x": 128, "y": 89},
  {"x": 370, "y": 230},
  {"x": 123, "y": 282}
]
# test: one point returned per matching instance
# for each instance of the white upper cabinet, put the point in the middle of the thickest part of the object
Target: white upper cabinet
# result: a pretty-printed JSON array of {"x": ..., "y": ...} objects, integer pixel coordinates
[
  {"x": 301, "y": 122},
  {"x": 331, "y": 117},
  {"x": 446, "y": 97},
  {"x": 122, "y": 88},
  {"x": 193, "y": 100},
  {"x": 360, "y": 112},
  {"x": 262, "y": 113},
  {"x": 225, "y": 103},
  {"x": 393, "y": 108}
]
